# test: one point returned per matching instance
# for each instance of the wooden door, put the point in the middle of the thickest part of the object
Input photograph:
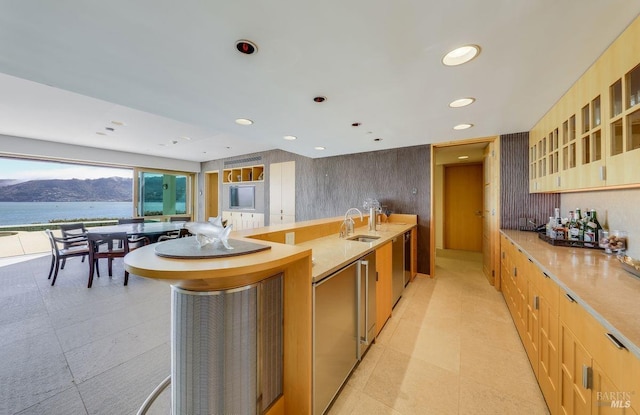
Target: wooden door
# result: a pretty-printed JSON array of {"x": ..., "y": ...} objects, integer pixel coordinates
[
  {"x": 463, "y": 206},
  {"x": 211, "y": 195}
]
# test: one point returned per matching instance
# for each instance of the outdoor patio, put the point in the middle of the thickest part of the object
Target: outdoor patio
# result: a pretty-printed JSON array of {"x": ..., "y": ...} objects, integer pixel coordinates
[{"x": 68, "y": 349}]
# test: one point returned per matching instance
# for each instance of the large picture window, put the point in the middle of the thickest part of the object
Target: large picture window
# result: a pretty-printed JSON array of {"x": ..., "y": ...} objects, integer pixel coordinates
[{"x": 164, "y": 193}]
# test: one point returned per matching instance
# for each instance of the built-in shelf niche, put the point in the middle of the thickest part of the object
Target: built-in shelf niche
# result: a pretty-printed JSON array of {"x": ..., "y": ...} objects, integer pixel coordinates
[{"x": 243, "y": 174}]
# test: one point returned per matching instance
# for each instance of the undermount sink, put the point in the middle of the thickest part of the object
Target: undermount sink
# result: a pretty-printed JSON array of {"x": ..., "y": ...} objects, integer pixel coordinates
[{"x": 363, "y": 238}]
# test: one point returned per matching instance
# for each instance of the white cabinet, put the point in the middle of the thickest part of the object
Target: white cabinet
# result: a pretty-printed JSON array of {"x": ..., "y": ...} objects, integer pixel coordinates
[
  {"x": 282, "y": 192},
  {"x": 243, "y": 220}
]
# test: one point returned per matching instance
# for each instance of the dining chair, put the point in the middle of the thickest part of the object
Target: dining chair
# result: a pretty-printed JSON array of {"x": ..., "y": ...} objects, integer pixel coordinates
[
  {"x": 179, "y": 233},
  {"x": 103, "y": 245},
  {"x": 180, "y": 219},
  {"x": 59, "y": 253},
  {"x": 135, "y": 241},
  {"x": 77, "y": 234}
]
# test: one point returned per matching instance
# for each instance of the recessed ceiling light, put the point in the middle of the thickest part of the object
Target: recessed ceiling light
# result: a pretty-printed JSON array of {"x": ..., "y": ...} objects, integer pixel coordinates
[
  {"x": 319, "y": 99},
  {"x": 462, "y": 102},
  {"x": 101, "y": 133},
  {"x": 290, "y": 137},
  {"x": 244, "y": 121},
  {"x": 184, "y": 137},
  {"x": 377, "y": 139},
  {"x": 117, "y": 123},
  {"x": 462, "y": 126},
  {"x": 356, "y": 124},
  {"x": 461, "y": 55},
  {"x": 463, "y": 157},
  {"x": 319, "y": 148},
  {"x": 109, "y": 128}
]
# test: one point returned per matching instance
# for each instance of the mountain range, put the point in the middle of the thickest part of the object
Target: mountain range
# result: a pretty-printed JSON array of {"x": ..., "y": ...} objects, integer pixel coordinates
[{"x": 108, "y": 189}]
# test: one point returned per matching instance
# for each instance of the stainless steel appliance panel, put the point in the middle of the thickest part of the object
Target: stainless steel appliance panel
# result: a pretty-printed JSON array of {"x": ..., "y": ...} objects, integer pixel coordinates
[
  {"x": 407, "y": 257},
  {"x": 335, "y": 334},
  {"x": 367, "y": 302},
  {"x": 397, "y": 268}
]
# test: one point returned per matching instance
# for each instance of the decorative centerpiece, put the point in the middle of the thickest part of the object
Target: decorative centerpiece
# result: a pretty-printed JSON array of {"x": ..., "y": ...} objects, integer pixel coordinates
[{"x": 210, "y": 233}]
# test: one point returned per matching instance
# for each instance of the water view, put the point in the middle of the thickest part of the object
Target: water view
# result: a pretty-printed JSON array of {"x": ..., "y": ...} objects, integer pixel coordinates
[{"x": 20, "y": 213}]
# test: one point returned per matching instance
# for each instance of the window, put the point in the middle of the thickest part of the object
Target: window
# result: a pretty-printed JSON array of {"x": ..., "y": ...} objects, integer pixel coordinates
[{"x": 164, "y": 193}]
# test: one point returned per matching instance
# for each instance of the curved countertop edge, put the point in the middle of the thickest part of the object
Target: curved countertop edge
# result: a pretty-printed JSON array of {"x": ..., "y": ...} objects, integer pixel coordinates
[
  {"x": 216, "y": 273},
  {"x": 602, "y": 316}
]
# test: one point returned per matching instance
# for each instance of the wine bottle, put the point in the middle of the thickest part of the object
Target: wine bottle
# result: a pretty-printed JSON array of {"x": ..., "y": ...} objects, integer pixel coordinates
[
  {"x": 574, "y": 229},
  {"x": 589, "y": 235},
  {"x": 579, "y": 222},
  {"x": 593, "y": 228}
]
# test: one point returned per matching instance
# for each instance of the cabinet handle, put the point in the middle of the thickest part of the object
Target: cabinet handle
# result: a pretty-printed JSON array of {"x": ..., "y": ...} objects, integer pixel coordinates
[
  {"x": 586, "y": 371},
  {"x": 545, "y": 275},
  {"x": 615, "y": 341},
  {"x": 603, "y": 172},
  {"x": 515, "y": 271},
  {"x": 536, "y": 302},
  {"x": 365, "y": 338},
  {"x": 530, "y": 260},
  {"x": 502, "y": 254},
  {"x": 570, "y": 298}
]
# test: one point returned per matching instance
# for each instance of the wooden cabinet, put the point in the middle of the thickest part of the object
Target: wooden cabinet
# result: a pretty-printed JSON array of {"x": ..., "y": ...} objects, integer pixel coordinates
[
  {"x": 581, "y": 367},
  {"x": 590, "y": 138},
  {"x": 243, "y": 174},
  {"x": 282, "y": 193},
  {"x": 243, "y": 220},
  {"x": 575, "y": 362},
  {"x": 384, "y": 297}
]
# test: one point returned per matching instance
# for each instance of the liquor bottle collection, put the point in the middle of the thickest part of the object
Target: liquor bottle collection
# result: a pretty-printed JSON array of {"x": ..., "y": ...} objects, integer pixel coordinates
[{"x": 584, "y": 226}]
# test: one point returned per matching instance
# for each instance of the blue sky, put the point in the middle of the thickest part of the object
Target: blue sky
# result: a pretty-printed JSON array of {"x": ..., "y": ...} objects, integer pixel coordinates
[{"x": 24, "y": 170}]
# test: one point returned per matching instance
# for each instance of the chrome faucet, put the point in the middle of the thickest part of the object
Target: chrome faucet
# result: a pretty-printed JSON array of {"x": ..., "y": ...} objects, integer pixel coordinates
[{"x": 348, "y": 224}]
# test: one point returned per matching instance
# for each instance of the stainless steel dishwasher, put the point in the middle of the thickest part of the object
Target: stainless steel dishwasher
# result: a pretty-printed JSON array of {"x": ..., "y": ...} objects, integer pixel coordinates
[
  {"x": 397, "y": 267},
  {"x": 335, "y": 334}
]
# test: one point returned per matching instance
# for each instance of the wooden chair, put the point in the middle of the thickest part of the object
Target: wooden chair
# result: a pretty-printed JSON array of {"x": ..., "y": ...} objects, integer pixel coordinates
[
  {"x": 180, "y": 219},
  {"x": 77, "y": 235},
  {"x": 180, "y": 233},
  {"x": 61, "y": 254},
  {"x": 103, "y": 245},
  {"x": 135, "y": 241}
]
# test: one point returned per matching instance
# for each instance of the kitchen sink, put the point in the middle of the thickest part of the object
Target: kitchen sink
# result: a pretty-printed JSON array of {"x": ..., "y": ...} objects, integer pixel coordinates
[{"x": 364, "y": 238}]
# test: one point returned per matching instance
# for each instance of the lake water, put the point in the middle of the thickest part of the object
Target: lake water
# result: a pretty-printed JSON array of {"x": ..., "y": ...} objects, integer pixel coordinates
[{"x": 20, "y": 213}]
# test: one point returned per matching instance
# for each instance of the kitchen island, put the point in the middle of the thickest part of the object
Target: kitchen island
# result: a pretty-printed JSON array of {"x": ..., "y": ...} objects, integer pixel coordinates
[{"x": 318, "y": 239}]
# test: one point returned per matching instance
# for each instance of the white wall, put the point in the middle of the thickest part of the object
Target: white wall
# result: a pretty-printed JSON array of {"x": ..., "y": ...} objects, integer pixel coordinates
[
  {"x": 27, "y": 147},
  {"x": 617, "y": 209}
]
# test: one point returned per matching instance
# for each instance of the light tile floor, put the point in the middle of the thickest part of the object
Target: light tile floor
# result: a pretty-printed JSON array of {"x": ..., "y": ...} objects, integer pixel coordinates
[{"x": 449, "y": 348}]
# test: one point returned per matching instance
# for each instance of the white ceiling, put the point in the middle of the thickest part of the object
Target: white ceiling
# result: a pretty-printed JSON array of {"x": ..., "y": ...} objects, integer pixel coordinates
[{"x": 169, "y": 69}]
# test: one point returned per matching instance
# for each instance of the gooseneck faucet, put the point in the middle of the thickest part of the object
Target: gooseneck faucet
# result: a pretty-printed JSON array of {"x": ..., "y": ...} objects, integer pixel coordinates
[{"x": 347, "y": 225}]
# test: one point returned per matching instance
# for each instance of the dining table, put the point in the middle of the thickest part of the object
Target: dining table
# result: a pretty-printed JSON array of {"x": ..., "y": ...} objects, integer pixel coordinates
[{"x": 152, "y": 230}]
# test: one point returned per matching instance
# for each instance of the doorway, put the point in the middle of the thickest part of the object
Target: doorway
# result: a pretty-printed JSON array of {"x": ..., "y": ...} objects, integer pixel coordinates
[
  {"x": 463, "y": 194},
  {"x": 481, "y": 219},
  {"x": 211, "y": 200}
]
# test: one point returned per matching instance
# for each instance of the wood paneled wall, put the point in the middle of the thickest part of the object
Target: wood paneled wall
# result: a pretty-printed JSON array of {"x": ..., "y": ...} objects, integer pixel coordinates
[{"x": 515, "y": 200}]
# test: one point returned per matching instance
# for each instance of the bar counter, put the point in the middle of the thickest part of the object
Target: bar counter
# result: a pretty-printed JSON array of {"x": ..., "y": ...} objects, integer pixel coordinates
[{"x": 595, "y": 279}]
